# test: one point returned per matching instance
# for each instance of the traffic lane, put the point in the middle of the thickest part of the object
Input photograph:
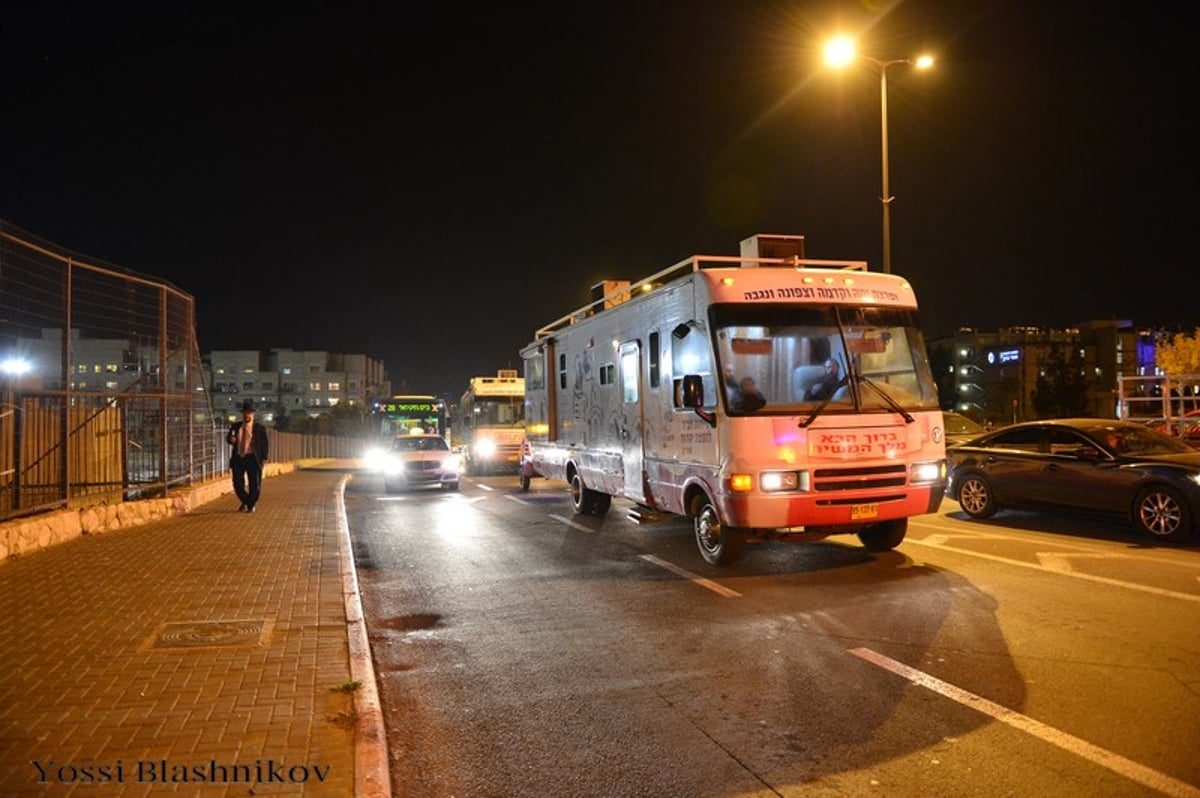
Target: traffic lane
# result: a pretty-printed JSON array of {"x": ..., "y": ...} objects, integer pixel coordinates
[
  {"x": 787, "y": 710},
  {"x": 1152, "y": 664},
  {"x": 1104, "y": 633}
]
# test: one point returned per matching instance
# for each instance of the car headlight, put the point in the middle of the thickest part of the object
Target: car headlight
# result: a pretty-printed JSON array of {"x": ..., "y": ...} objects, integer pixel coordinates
[
  {"x": 392, "y": 466},
  {"x": 485, "y": 447},
  {"x": 374, "y": 458},
  {"x": 453, "y": 463}
]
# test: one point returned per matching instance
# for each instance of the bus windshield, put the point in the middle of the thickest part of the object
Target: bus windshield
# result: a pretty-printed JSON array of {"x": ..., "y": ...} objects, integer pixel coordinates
[
  {"x": 840, "y": 358},
  {"x": 499, "y": 411}
]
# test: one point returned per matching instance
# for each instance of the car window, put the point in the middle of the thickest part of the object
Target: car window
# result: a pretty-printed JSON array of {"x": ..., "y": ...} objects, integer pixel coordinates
[
  {"x": 419, "y": 444},
  {"x": 1028, "y": 440},
  {"x": 1070, "y": 442},
  {"x": 961, "y": 425}
]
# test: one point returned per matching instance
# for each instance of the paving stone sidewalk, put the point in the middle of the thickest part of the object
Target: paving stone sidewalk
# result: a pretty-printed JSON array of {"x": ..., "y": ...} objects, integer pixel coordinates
[{"x": 197, "y": 655}]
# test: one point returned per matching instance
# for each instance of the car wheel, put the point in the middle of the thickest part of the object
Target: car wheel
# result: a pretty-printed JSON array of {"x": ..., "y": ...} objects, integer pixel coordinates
[
  {"x": 1160, "y": 513},
  {"x": 884, "y": 536},
  {"x": 719, "y": 544},
  {"x": 975, "y": 497}
]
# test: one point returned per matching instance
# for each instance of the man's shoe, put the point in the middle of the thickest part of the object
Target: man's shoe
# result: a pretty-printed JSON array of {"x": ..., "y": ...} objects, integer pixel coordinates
[
  {"x": 250, "y": 510},
  {"x": 243, "y": 509}
]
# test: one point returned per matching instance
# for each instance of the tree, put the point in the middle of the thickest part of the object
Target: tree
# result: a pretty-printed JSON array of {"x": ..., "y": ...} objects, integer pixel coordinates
[{"x": 1180, "y": 355}]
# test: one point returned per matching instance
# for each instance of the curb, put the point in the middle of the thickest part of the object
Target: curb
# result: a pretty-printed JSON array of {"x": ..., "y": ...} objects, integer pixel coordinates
[{"x": 371, "y": 777}]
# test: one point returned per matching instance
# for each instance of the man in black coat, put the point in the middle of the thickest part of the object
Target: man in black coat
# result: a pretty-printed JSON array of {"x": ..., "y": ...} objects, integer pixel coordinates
[{"x": 249, "y": 441}]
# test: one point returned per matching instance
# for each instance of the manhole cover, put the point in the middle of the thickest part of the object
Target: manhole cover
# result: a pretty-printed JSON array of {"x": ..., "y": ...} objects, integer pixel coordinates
[{"x": 210, "y": 634}]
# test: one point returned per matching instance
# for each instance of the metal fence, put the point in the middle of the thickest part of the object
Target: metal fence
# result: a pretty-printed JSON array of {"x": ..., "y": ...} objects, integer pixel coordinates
[{"x": 104, "y": 395}]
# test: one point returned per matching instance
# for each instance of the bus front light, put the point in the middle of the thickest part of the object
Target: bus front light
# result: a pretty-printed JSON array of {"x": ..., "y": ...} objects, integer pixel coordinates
[{"x": 485, "y": 448}]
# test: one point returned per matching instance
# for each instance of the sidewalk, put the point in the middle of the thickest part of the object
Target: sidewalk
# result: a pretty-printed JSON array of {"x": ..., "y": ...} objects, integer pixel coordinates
[{"x": 194, "y": 655}]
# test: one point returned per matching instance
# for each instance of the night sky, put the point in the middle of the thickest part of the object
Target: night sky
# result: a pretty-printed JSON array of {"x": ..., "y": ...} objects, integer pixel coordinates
[{"x": 429, "y": 183}]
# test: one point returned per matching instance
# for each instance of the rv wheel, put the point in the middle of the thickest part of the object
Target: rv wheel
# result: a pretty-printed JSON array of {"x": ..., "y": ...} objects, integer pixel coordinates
[
  {"x": 884, "y": 536},
  {"x": 719, "y": 544},
  {"x": 586, "y": 501}
]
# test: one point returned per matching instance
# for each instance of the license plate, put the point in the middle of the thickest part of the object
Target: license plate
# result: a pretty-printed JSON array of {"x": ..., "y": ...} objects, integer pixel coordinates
[{"x": 861, "y": 511}]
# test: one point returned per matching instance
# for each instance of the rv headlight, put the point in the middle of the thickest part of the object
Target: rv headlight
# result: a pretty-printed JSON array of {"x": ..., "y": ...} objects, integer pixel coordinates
[
  {"x": 485, "y": 447},
  {"x": 774, "y": 481},
  {"x": 933, "y": 471}
]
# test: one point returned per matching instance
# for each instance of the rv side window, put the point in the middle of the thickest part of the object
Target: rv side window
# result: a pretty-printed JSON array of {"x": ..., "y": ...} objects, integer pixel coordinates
[
  {"x": 690, "y": 354},
  {"x": 562, "y": 371},
  {"x": 608, "y": 373},
  {"x": 655, "y": 374},
  {"x": 535, "y": 373},
  {"x": 629, "y": 373}
]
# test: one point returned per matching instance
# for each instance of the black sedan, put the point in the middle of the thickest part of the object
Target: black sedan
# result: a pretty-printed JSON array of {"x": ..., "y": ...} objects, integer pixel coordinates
[{"x": 1082, "y": 464}]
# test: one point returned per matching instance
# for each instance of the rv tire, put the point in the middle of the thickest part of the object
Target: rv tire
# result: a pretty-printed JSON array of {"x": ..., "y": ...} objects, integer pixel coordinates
[
  {"x": 719, "y": 544},
  {"x": 883, "y": 536},
  {"x": 586, "y": 501}
]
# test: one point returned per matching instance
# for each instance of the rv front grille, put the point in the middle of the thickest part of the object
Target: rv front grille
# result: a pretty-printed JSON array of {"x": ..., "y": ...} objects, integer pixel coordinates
[{"x": 839, "y": 479}]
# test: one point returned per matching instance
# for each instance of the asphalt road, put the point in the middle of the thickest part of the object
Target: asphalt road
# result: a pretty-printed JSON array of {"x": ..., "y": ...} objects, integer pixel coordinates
[{"x": 522, "y": 650}]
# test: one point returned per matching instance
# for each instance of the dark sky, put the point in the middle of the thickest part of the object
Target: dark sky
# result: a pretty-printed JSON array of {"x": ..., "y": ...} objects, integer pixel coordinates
[{"x": 429, "y": 183}]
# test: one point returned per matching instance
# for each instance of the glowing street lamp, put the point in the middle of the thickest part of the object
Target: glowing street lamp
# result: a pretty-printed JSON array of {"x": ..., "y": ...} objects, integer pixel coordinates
[{"x": 839, "y": 53}]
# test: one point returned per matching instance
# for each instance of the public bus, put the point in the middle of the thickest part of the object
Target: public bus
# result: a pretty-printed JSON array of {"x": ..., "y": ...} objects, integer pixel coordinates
[
  {"x": 403, "y": 414},
  {"x": 642, "y": 394}
]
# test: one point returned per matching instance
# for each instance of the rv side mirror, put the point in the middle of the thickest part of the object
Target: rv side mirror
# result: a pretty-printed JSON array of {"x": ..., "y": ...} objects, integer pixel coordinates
[
  {"x": 693, "y": 391},
  {"x": 693, "y": 397}
]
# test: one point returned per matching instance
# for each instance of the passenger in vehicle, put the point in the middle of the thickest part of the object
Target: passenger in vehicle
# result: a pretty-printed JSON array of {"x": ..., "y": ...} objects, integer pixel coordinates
[
  {"x": 749, "y": 398},
  {"x": 825, "y": 386}
]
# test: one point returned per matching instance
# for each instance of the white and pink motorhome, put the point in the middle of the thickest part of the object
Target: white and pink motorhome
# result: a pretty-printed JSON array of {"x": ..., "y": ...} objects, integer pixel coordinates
[{"x": 642, "y": 395}]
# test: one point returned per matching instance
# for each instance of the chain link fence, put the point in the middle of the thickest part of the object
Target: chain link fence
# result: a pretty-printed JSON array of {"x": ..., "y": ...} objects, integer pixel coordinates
[{"x": 104, "y": 393}]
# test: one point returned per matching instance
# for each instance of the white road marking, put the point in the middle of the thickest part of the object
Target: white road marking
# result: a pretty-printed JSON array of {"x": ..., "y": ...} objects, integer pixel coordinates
[
  {"x": 482, "y": 486},
  {"x": 1153, "y": 779},
  {"x": 715, "y": 587},
  {"x": 573, "y": 525},
  {"x": 1039, "y": 566}
]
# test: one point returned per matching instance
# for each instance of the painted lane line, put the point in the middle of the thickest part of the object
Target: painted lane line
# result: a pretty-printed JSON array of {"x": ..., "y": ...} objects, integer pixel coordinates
[
  {"x": 715, "y": 587},
  {"x": 1116, "y": 763},
  {"x": 518, "y": 499},
  {"x": 572, "y": 524},
  {"x": 482, "y": 486},
  {"x": 1157, "y": 591}
]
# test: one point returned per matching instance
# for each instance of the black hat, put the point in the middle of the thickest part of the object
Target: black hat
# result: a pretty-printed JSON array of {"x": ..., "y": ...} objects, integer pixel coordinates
[{"x": 248, "y": 406}]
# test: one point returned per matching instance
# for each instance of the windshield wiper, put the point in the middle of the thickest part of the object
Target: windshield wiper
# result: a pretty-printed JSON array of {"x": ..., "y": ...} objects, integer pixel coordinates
[
  {"x": 892, "y": 403},
  {"x": 817, "y": 410}
]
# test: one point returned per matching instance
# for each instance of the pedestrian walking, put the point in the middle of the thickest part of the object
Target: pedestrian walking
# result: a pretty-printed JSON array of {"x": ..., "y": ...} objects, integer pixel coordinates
[{"x": 249, "y": 441}]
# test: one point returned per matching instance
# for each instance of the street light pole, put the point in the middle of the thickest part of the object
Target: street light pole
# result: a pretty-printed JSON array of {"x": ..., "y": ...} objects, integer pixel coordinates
[
  {"x": 840, "y": 52},
  {"x": 885, "y": 196}
]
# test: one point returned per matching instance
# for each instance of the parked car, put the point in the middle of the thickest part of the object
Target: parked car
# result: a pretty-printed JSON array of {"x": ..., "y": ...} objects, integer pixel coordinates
[
  {"x": 959, "y": 428},
  {"x": 420, "y": 460},
  {"x": 1186, "y": 428},
  {"x": 1082, "y": 464}
]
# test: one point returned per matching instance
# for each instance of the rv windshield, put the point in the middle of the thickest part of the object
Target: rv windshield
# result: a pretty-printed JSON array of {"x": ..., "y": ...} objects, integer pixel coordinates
[{"x": 860, "y": 359}]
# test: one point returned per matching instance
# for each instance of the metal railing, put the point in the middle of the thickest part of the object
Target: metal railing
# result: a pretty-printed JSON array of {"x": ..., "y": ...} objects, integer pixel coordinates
[{"x": 103, "y": 391}]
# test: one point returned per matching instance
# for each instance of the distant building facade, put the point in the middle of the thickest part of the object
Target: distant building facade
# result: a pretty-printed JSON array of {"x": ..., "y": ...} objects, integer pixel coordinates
[
  {"x": 993, "y": 376},
  {"x": 292, "y": 381}
]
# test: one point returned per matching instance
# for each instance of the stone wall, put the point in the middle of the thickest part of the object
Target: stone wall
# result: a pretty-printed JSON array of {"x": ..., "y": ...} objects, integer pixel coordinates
[{"x": 25, "y": 535}]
